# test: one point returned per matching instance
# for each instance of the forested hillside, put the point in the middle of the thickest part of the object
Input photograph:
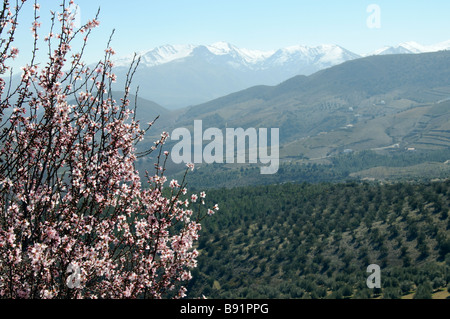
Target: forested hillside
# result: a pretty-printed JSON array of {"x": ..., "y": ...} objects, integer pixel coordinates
[{"x": 316, "y": 241}]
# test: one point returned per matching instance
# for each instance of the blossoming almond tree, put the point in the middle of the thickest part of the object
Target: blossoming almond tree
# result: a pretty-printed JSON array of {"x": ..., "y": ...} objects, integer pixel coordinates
[{"x": 76, "y": 220}]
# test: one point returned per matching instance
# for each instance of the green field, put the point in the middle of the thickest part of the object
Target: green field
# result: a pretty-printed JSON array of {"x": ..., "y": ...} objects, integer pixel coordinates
[{"x": 315, "y": 241}]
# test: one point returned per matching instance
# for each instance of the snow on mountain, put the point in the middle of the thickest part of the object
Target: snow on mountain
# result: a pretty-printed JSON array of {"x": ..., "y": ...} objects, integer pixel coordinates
[
  {"x": 159, "y": 55},
  {"x": 166, "y": 54},
  {"x": 439, "y": 46},
  {"x": 308, "y": 59},
  {"x": 249, "y": 56},
  {"x": 323, "y": 55},
  {"x": 402, "y": 48},
  {"x": 412, "y": 47},
  {"x": 329, "y": 55}
]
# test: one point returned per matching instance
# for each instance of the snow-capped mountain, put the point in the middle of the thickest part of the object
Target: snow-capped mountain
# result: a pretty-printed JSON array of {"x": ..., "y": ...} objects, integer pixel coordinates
[
  {"x": 168, "y": 53},
  {"x": 412, "y": 47},
  {"x": 159, "y": 55},
  {"x": 309, "y": 59},
  {"x": 246, "y": 56},
  {"x": 322, "y": 56},
  {"x": 180, "y": 75}
]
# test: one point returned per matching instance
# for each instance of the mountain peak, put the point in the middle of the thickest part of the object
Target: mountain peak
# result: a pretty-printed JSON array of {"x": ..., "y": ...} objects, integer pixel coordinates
[
  {"x": 247, "y": 55},
  {"x": 166, "y": 53},
  {"x": 321, "y": 56},
  {"x": 221, "y": 47},
  {"x": 412, "y": 47},
  {"x": 159, "y": 55}
]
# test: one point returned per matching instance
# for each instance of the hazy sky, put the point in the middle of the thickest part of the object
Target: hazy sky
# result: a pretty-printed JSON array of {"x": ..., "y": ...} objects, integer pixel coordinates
[{"x": 255, "y": 24}]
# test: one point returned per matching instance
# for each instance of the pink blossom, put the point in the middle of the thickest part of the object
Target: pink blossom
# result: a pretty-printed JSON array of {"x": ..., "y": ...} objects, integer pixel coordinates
[
  {"x": 14, "y": 52},
  {"x": 71, "y": 193},
  {"x": 92, "y": 24},
  {"x": 174, "y": 184},
  {"x": 110, "y": 51}
]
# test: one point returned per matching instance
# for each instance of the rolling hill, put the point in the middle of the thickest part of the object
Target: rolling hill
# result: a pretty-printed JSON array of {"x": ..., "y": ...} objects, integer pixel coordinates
[
  {"x": 386, "y": 103},
  {"x": 404, "y": 91}
]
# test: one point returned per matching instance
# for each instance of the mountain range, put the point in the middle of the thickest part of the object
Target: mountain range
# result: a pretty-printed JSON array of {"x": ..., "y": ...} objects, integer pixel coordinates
[{"x": 177, "y": 76}]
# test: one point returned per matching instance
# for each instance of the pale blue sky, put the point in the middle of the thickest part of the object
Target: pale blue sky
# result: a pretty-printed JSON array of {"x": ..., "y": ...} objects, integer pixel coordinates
[{"x": 255, "y": 24}]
